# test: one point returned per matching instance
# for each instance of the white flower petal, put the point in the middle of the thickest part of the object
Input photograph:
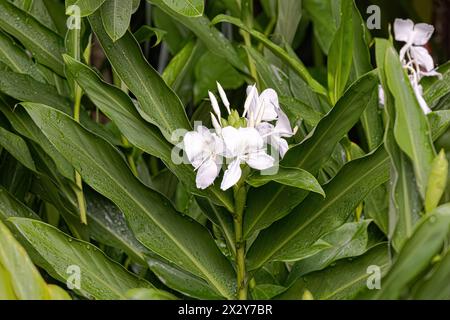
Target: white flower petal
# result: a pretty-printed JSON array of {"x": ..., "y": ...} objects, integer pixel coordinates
[
  {"x": 381, "y": 97},
  {"x": 216, "y": 124},
  {"x": 224, "y": 97},
  {"x": 251, "y": 101},
  {"x": 194, "y": 147},
  {"x": 232, "y": 141},
  {"x": 231, "y": 175},
  {"x": 423, "y": 58},
  {"x": 269, "y": 105},
  {"x": 403, "y": 29},
  {"x": 215, "y": 105},
  {"x": 260, "y": 160},
  {"x": 422, "y": 33},
  {"x": 283, "y": 147},
  {"x": 418, "y": 90},
  {"x": 283, "y": 126},
  {"x": 206, "y": 174},
  {"x": 250, "y": 140}
]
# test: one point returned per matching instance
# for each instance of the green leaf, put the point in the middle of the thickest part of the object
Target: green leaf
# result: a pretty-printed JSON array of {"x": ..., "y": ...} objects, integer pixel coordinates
[
  {"x": 294, "y": 177},
  {"x": 87, "y": 7},
  {"x": 17, "y": 59},
  {"x": 416, "y": 254},
  {"x": 188, "y": 8},
  {"x": 151, "y": 217},
  {"x": 45, "y": 45},
  {"x": 288, "y": 19},
  {"x": 296, "y": 110},
  {"x": 17, "y": 147},
  {"x": 405, "y": 204},
  {"x": 270, "y": 203},
  {"x": 436, "y": 286},
  {"x": 56, "y": 293},
  {"x": 145, "y": 33},
  {"x": 210, "y": 69},
  {"x": 292, "y": 237},
  {"x": 212, "y": 38},
  {"x": 182, "y": 281},
  {"x": 149, "y": 294},
  {"x": 347, "y": 241},
  {"x": 293, "y": 62},
  {"x": 25, "y": 279},
  {"x": 342, "y": 281},
  {"x": 119, "y": 108},
  {"x": 266, "y": 291},
  {"x": 6, "y": 287},
  {"x": 436, "y": 88},
  {"x": 411, "y": 130},
  {"x": 116, "y": 17},
  {"x": 101, "y": 278},
  {"x": 437, "y": 181},
  {"x": 340, "y": 57},
  {"x": 158, "y": 102},
  {"x": 324, "y": 20}
]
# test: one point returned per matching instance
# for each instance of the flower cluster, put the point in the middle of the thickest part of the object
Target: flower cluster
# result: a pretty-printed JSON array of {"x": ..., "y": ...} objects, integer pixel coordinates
[
  {"x": 239, "y": 140},
  {"x": 414, "y": 56}
]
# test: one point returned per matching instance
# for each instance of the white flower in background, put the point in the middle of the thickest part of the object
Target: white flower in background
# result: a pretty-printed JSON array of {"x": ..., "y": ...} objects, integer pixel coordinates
[
  {"x": 204, "y": 151},
  {"x": 415, "y": 58},
  {"x": 241, "y": 140}
]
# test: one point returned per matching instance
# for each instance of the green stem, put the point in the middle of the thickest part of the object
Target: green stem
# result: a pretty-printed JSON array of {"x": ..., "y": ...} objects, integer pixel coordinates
[
  {"x": 240, "y": 195},
  {"x": 78, "y": 181}
]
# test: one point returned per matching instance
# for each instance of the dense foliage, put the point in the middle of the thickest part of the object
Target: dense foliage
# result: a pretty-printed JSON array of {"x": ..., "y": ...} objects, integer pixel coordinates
[{"x": 96, "y": 97}]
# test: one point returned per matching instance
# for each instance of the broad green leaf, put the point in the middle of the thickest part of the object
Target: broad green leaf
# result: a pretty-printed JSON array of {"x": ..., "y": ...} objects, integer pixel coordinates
[
  {"x": 293, "y": 62},
  {"x": 294, "y": 177},
  {"x": 439, "y": 122},
  {"x": 212, "y": 38},
  {"x": 145, "y": 33},
  {"x": 210, "y": 69},
  {"x": 38, "y": 9},
  {"x": 86, "y": 7},
  {"x": 188, "y": 8},
  {"x": 288, "y": 19},
  {"x": 158, "y": 102},
  {"x": 182, "y": 281},
  {"x": 404, "y": 200},
  {"x": 100, "y": 277},
  {"x": 436, "y": 286},
  {"x": 17, "y": 147},
  {"x": 116, "y": 17},
  {"x": 6, "y": 287},
  {"x": 436, "y": 88},
  {"x": 347, "y": 241},
  {"x": 177, "y": 67},
  {"x": 292, "y": 237},
  {"x": 45, "y": 45},
  {"x": 149, "y": 294},
  {"x": 107, "y": 225},
  {"x": 437, "y": 181},
  {"x": 324, "y": 21},
  {"x": 416, "y": 254},
  {"x": 370, "y": 120},
  {"x": 25, "y": 279},
  {"x": 266, "y": 291},
  {"x": 271, "y": 202},
  {"x": 118, "y": 107},
  {"x": 17, "y": 59},
  {"x": 340, "y": 57},
  {"x": 411, "y": 129},
  {"x": 22, "y": 123},
  {"x": 56, "y": 293},
  {"x": 296, "y": 110},
  {"x": 151, "y": 217},
  {"x": 342, "y": 281}
]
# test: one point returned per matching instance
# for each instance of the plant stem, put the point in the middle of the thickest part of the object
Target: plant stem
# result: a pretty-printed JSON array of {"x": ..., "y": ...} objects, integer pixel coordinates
[
  {"x": 78, "y": 181},
  {"x": 240, "y": 195}
]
